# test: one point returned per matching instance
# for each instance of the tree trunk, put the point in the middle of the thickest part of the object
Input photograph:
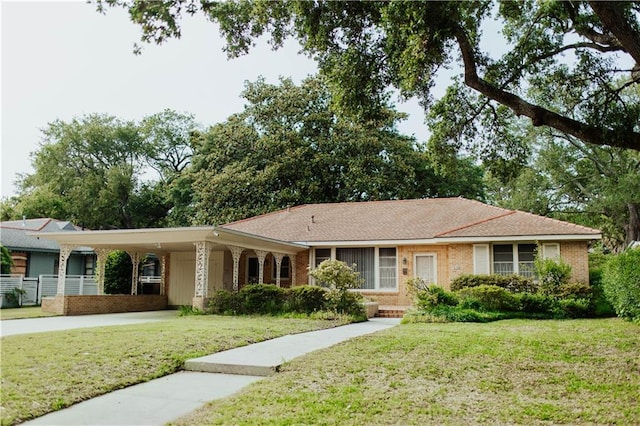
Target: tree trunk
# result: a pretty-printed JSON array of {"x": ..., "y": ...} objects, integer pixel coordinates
[{"x": 632, "y": 229}]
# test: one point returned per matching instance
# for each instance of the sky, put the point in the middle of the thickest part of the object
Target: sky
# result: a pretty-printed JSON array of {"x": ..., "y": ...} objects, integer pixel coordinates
[{"x": 62, "y": 60}]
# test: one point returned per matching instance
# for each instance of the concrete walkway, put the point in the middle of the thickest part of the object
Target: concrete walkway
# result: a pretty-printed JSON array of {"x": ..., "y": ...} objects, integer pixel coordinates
[
  {"x": 162, "y": 400},
  {"x": 11, "y": 327}
]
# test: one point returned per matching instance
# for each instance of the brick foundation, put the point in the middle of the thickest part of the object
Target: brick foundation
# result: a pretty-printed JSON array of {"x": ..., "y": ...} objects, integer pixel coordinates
[{"x": 106, "y": 304}]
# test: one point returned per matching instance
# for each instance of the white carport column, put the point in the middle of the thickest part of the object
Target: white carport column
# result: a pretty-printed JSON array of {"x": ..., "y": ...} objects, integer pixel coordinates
[
  {"x": 163, "y": 274},
  {"x": 135, "y": 260},
  {"x": 65, "y": 252},
  {"x": 292, "y": 269},
  {"x": 278, "y": 257},
  {"x": 102, "y": 253},
  {"x": 236, "y": 252},
  {"x": 261, "y": 256},
  {"x": 203, "y": 250}
]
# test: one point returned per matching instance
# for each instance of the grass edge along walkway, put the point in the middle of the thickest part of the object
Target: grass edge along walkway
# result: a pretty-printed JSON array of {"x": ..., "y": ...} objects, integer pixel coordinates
[
  {"x": 504, "y": 372},
  {"x": 45, "y": 372}
]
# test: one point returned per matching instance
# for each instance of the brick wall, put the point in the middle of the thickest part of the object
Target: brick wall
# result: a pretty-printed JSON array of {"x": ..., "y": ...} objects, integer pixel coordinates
[
  {"x": 575, "y": 254},
  {"x": 105, "y": 304}
]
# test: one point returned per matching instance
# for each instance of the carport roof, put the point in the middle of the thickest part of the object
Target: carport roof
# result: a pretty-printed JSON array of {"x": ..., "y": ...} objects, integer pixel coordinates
[{"x": 164, "y": 240}]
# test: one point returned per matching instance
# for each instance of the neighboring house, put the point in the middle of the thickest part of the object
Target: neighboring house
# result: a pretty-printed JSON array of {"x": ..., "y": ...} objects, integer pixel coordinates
[
  {"x": 389, "y": 241},
  {"x": 34, "y": 256}
]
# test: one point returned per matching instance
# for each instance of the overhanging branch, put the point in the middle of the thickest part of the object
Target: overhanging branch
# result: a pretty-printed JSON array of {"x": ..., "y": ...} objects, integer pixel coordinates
[{"x": 539, "y": 116}]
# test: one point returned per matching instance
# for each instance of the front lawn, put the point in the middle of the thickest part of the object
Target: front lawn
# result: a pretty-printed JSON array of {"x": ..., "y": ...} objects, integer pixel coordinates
[
  {"x": 24, "y": 312},
  {"x": 44, "y": 372},
  {"x": 506, "y": 372}
]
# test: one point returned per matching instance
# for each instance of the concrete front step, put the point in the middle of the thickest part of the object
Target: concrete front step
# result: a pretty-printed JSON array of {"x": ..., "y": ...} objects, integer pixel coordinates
[{"x": 265, "y": 358}]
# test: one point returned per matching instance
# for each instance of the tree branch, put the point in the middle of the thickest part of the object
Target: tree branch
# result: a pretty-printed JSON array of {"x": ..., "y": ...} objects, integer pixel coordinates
[
  {"x": 612, "y": 16},
  {"x": 539, "y": 116}
]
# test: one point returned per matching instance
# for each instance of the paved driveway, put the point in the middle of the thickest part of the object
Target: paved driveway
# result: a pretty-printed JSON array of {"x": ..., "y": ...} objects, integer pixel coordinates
[{"x": 38, "y": 325}]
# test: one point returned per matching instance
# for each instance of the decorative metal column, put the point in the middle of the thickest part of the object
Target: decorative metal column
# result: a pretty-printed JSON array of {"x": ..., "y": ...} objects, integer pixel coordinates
[
  {"x": 102, "y": 253},
  {"x": 236, "y": 252},
  {"x": 163, "y": 274},
  {"x": 292, "y": 268},
  {"x": 203, "y": 249},
  {"x": 261, "y": 256},
  {"x": 135, "y": 260},
  {"x": 278, "y": 257},
  {"x": 65, "y": 252}
]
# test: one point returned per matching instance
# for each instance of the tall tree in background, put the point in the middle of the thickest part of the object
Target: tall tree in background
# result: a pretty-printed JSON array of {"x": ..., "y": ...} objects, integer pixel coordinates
[
  {"x": 288, "y": 148},
  {"x": 90, "y": 170},
  {"x": 560, "y": 68}
]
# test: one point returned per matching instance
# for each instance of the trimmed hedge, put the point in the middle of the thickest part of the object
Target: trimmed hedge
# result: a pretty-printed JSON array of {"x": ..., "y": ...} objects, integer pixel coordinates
[
  {"x": 621, "y": 283},
  {"x": 512, "y": 283},
  {"x": 269, "y": 299},
  {"x": 489, "y": 298}
]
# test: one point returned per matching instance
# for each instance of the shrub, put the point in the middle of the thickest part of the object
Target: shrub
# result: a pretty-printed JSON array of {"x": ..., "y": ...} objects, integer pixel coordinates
[
  {"x": 512, "y": 283},
  {"x": 446, "y": 313},
  {"x": 340, "y": 278},
  {"x": 434, "y": 296},
  {"x": 572, "y": 308},
  {"x": 552, "y": 274},
  {"x": 621, "y": 283},
  {"x": 415, "y": 285},
  {"x": 262, "y": 299},
  {"x": 535, "y": 303},
  {"x": 574, "y": 291},
  {"x": 600, "y": 306},
  {"x": 6, "y": 261},
  {"x": 225, "y": 302},
  {"x": 490, "y": 297},
  {"x": 117, "y": 273},
  {"x": 306, "y": 299}
]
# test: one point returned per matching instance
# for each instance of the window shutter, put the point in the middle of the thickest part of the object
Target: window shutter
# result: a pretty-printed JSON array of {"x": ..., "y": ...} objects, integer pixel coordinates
[
  {"x": 551, "y": 251},
  {"x": 481, "y": 263}
]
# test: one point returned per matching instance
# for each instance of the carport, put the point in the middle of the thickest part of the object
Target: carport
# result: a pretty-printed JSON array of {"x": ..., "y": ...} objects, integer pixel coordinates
[{"x": 209, "y": 254}]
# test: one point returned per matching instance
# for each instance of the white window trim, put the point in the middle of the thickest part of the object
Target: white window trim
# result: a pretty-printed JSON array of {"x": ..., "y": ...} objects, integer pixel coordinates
[
  {"x": 544, "y": 251},
  {"x": 376, "y": 261},
  {"x": 516, "y": 257},
  {"x": 435, "y": 264}
]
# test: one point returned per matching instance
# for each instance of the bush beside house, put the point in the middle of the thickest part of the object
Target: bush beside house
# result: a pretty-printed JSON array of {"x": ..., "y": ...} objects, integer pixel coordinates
[
  {"x": 481, "y": 298},
  {"x": 621, "y": 284},
  {"x": 334, "y": 296}
]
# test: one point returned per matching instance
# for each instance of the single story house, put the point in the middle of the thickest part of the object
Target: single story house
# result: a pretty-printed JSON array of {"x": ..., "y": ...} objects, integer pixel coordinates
[{"x": 389, "y": 241}]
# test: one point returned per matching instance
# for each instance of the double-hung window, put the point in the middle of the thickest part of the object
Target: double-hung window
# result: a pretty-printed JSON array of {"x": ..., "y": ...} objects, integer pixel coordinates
[
  {"x": 377, "y": 266},
  {"x": 514, "y": 259}
]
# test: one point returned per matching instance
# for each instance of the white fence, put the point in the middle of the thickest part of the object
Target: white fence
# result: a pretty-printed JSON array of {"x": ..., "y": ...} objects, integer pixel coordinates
[
  {"x": 74, "y": 284},
  {"x": 46, "y": 285},
  {"x": 10, "y": 282}
]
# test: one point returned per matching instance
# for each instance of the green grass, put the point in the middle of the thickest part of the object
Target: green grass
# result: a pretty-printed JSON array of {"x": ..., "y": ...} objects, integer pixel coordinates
[
  {"x": 505, "y": 372},
  {"x": 44, "y": 372},
  {"x": 25, "y": 312}
]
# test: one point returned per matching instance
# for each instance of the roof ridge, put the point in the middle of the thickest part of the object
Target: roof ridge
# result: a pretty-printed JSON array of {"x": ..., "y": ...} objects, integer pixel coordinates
[{"x": 469, "y": 225}]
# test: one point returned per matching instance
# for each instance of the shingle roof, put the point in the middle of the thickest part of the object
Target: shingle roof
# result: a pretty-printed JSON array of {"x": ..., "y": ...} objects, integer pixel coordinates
[
  {"x": 13, "y": 234},
  {"x": 402, "y": 220}
]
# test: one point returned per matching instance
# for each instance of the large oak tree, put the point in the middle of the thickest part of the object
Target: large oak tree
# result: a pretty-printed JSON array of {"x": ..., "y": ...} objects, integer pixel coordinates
[{"x": 565, "y": 64}]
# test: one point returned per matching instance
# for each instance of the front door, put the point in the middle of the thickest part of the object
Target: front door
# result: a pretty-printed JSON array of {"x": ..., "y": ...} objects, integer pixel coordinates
[{"x": 425, "y": 268}]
